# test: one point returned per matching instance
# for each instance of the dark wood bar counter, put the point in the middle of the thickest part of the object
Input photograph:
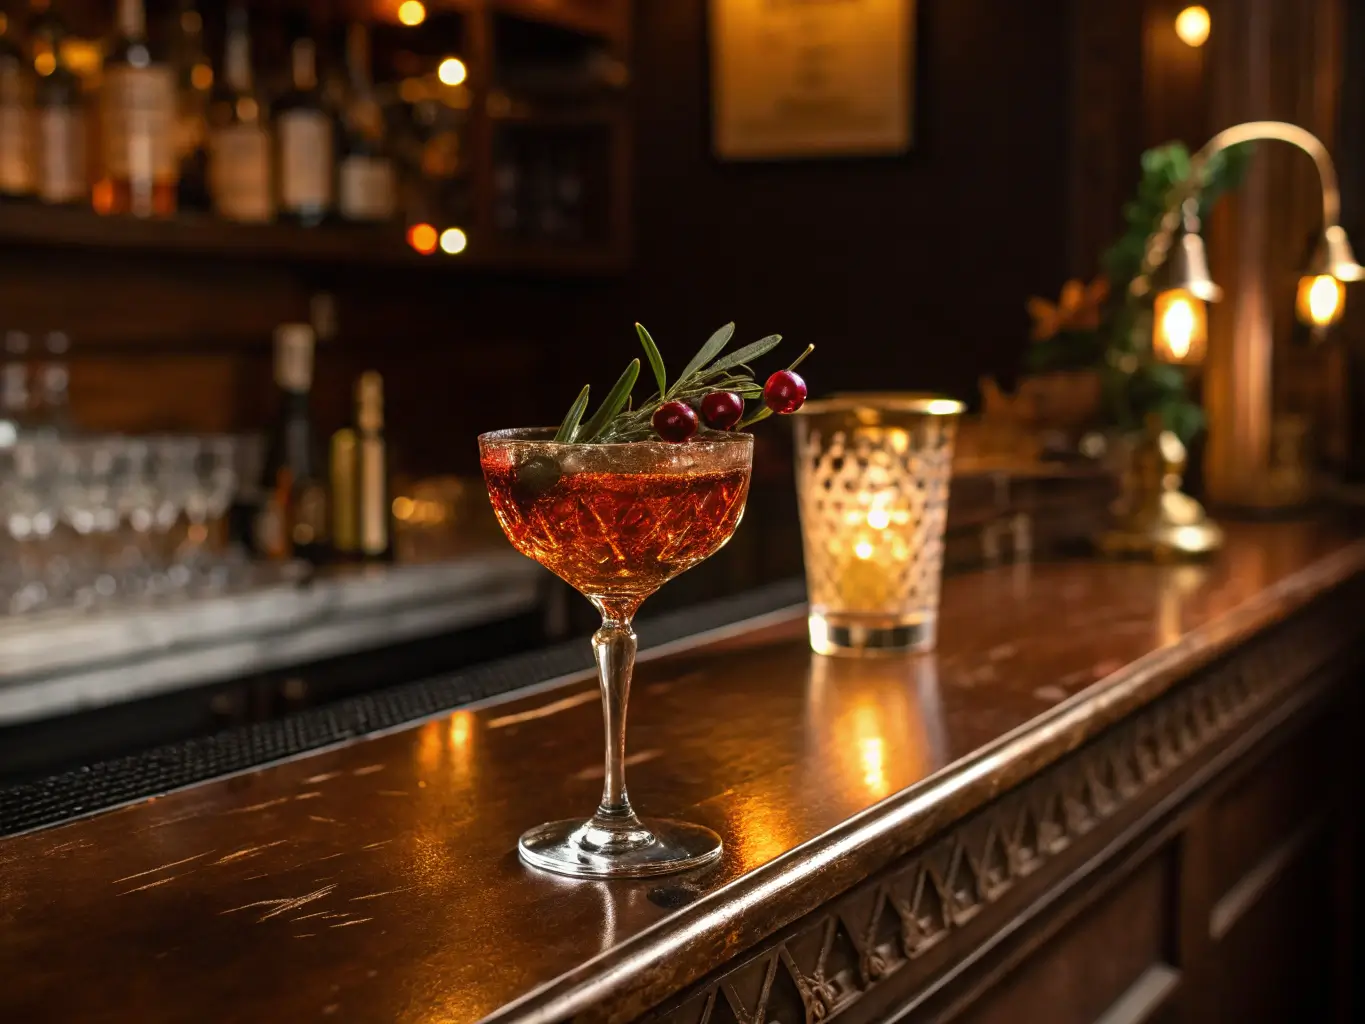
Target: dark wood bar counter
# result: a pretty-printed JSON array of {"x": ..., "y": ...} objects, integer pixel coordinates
[{"x": 1116, "y": 788}]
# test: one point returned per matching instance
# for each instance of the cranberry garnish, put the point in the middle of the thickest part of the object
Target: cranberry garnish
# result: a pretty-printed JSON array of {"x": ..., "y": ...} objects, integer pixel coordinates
[
  {"x": 785, "y": 392},
  {"x": 675, "y": 421},
  {"x": 721, "y": 410}
]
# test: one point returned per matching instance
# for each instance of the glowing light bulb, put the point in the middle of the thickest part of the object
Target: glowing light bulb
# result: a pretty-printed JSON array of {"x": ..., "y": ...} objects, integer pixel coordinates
[
  {"x": 412, "y": 12},
  {"x": 1321, "y": 300},
  {"x": 422, "y": 237},
  {"x": 878, "y": 518},
  {"x": 452, "y": 71},
  {"x": 453, "y": 241},
  {"x": 1181, "y": 327},
  {"x": 863, "y": 549},
  {"x": 1178, "y": 327},
  {"x": 1192, "y": 25}
]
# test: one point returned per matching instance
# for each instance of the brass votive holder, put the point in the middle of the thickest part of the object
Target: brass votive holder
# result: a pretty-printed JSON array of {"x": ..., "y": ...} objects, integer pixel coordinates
[{"x": 872, "y": 476}]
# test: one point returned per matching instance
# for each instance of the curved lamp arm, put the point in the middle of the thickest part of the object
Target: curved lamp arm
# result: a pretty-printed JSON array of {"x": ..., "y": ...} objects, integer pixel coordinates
[
  {"x": 1280, "y": 131},
  {"x": 1184, "y": 205}
]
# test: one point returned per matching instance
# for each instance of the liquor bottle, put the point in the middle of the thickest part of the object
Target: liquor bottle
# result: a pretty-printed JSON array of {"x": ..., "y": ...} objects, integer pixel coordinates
[
  {"x": 194, "y": 84},
  {"x": 293, "y": 517},
  {"x": 304, "y": 136},
  {"x": 367, "y": 181},
  {"x": 137, "y": 121},
  {"x": 239, "y": 144},
  {"x": 372, "y": 475},
  {"x": 345, "y": 500},
  {"x": 16, "y": 102},
  {"x": 58, "y": 114}
]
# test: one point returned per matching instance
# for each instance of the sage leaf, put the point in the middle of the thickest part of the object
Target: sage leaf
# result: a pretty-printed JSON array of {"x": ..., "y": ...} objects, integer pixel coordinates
[
  {"x": 656, "y": 361},
  {"x": 741, "y": 356},
  {"x": 611, "y": 405},
  {"x": 567, "y": 429},
  {"x": 713, "y": 347}
]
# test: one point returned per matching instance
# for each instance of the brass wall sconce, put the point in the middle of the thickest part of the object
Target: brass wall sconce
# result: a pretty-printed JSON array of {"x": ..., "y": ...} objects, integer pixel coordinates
[{"x": 1175, "y": 267}]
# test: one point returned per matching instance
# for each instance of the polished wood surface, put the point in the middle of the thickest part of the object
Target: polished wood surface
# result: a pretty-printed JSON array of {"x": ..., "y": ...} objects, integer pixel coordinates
[{"x": 378, "y": 881}]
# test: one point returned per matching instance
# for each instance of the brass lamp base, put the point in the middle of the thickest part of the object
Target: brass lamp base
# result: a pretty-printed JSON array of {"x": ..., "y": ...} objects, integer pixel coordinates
[
  {"x": 1181, "y": 529},
  {"x": 1154, "y": 518}
]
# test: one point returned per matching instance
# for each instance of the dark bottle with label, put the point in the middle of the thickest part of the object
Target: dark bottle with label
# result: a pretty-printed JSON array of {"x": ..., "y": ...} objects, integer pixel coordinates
[
  {"x": 374, "y": 531},
  {"x": 194, "y": 85},
  {"x": 16, "y": 107},
  {"x": 367, "y": 187},
  {"x": 239, "y": 142},
  {"x": 137, "y": 123},
  {"x": 59, "y": 125},
  {"x": 304, "y": 137},
  {"x": 293, "y": 518}
]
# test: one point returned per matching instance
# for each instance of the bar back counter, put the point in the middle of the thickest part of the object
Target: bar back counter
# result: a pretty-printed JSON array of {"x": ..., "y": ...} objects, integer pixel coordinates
[{"x": 1117, "y": 792}]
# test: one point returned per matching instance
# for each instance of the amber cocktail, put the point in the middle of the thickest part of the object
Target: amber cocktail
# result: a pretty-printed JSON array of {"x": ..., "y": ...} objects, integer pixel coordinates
[{"x": 617, "y": 521}]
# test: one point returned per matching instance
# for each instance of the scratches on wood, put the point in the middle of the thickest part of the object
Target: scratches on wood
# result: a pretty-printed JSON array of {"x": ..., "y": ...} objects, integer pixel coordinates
[
  {"x": 163, "y": 867},
  {"x": 284, "y": 905},
  {"x": 249, "y": 851},
  {"x": 150, "y": 885},
  {"x": 386, "y": 892},
  {"x": 263, "y": 805},
  {"x": 596, "y": 771}
]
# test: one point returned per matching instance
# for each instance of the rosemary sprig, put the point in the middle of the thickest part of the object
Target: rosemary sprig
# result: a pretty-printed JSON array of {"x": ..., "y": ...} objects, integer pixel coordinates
[{"x": 617, "y": 420}]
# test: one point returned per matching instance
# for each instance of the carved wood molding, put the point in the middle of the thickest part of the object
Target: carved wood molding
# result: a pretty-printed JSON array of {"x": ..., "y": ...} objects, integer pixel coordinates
[{"x": 825, "y": 963}]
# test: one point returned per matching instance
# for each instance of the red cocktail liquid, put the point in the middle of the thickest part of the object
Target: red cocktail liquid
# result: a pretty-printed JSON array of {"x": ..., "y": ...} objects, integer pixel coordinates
[{"x": 619, "y": 533}]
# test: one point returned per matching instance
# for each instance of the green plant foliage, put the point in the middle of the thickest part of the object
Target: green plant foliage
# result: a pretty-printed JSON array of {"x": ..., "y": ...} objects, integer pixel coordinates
[{"x": 1134, "y": 383}]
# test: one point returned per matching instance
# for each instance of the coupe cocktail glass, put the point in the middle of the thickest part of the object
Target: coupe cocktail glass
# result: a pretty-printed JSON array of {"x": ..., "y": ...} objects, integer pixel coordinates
[{"x": 617, "y": 521}]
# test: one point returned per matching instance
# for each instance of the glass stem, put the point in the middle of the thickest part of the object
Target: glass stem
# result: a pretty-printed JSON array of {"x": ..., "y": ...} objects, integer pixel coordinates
[{"x": 615, "y": 645}]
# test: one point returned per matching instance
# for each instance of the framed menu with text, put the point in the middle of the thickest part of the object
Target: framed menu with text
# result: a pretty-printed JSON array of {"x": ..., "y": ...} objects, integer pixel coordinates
[{"x": 794, "y": 79}]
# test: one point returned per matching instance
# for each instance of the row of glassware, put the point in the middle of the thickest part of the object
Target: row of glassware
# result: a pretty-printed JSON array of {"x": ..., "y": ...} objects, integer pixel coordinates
[{"x": 88, "y": 520}]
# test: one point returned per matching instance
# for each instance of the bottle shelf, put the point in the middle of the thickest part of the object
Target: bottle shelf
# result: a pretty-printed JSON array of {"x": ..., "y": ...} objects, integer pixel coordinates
[{"x": 36, "y": 226}]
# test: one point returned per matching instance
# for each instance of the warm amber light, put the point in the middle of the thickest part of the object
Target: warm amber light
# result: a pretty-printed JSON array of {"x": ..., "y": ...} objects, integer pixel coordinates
[
  {"x": 411, "y": 12},
  {"x": 423, "y": 238},
  {"x": 1192, "y": 25},
  {"x": 201, "y": 77},
  {"x": 403, "y": 505},
  {"x": 453, "y": 241},
  {"x": 45, "y": 62},
  {"x": 1180, "y": 327},
  {"x": 102, "y": 196},
  {"x": 1322, "y": 300},
  {"x": 452, "y": 71}
]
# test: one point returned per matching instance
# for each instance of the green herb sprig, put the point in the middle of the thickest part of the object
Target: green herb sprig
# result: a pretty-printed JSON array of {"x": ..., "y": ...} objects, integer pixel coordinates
[{"x": 617, "y": 421}]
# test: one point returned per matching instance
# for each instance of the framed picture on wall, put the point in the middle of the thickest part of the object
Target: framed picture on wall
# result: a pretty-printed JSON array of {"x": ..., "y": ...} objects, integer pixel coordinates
[{"x": 794, "y": 79}]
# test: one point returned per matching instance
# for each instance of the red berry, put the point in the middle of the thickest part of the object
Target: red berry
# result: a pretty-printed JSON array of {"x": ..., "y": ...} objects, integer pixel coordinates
[
  {"x": 785, "y": 392},
  {"x": 721, "y": 410},
  {"x": 675, "y": 421}
]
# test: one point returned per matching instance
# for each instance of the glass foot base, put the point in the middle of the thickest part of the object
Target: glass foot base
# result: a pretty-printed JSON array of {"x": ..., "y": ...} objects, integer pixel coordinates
[
  {"x": 869, "y": 636},
  {"x": 583, "y": 849}
]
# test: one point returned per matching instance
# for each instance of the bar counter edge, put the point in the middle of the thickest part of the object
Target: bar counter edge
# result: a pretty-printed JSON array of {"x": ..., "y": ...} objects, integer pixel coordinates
[{"x": 624, "y": 982}]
